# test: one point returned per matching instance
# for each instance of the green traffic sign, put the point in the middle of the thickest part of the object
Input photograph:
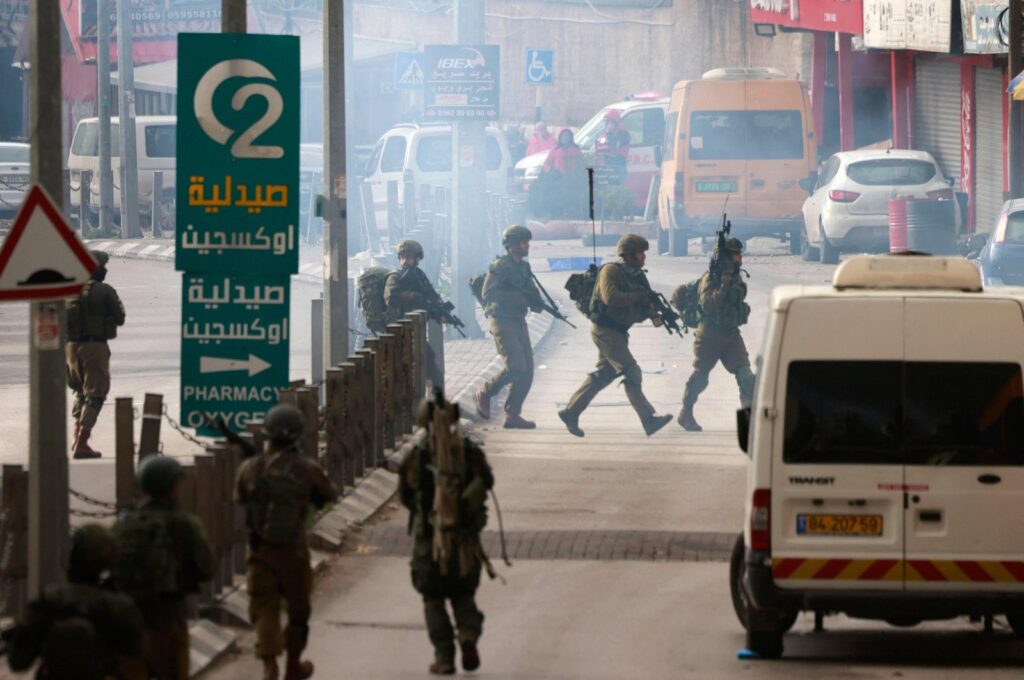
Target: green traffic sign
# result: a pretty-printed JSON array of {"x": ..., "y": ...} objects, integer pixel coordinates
[
  {"x": 238, "y": 153},
  {"x": 234, "y": 347}
]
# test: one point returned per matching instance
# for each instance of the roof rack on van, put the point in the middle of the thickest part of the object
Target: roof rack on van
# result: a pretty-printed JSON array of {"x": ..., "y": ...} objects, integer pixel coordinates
[
  {"x": 908, "y": 271},
  {"x": 748, "y": 73}
]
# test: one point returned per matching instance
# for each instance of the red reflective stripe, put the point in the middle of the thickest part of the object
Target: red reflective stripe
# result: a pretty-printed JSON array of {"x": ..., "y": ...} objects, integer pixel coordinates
[
  {"x": 973, "y": 571},
  {"x": 877, "y": 570},
  {"x": 784, "y": 568},
  {"x": 831, "y": 569},
  {"x": 1015, "y": 568},
  {"x": 927, "y": 570}
]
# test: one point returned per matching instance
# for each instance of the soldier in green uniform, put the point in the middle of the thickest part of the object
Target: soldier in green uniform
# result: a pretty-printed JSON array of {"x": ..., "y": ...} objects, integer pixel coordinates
[
  {"x": 723, "y": 310},
  {"x": 621, "y": 299},
  {"x": 92, "y": 320},
  {"x": 277, "y": 489},
  {"x": 446, "y": 524},
  {"x": 80, "y": 630},
  {"x": 409, "y": 290},
  {"x": 164, "y": 557},
  {"x": 509, "y": 293}
]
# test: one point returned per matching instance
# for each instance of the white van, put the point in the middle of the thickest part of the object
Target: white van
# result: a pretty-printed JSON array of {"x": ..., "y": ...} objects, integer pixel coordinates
[
  {"x": 886, "y": 443},
  {"x": 155, "y": 143}
]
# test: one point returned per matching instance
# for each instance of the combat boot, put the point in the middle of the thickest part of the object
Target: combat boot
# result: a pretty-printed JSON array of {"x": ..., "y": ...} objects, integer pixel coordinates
[
  {"x": 572, "y": 422},
  {"x": 444, "y": 662},
  {"x": 82, "y": 449},
  {"x": 655, "y": 423},
  {"x": 470, "y": 655},
  {"x": 270, "y": 671},
  {"x": 517, "y": 422},
  {"x": 483, "y": 404},
  {"x": 78, "y": 433},
  {"x": 687, "y": 421},
  {"x": 298, "y": 669}
]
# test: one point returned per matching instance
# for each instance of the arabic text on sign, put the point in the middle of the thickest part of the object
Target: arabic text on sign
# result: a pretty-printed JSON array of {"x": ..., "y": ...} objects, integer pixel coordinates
[
  {"x": 219, "y": 292},
  {"x": 217, "y": 332},
  {"x": 267, "y": 196},
  {"x": 279, "y": 243}
]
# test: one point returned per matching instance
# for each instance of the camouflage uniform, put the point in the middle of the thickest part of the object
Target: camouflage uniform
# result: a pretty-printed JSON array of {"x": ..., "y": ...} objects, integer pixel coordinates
[{"x": 410, "y": 290}]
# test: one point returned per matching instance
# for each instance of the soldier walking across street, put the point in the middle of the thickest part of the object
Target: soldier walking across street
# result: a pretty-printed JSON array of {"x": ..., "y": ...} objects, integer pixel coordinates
[
  {"x": 92, "y": 320},
  {"x": 444, "y": 483},
  {"x": 622, "y": 297},
  {"x": 164, "y": 557},
  {"x": 723, "y": 309},
  {"x": 509, "y": 292},
  {"x": 277, "y": 488},
  {"x": 81, "y": 630}
]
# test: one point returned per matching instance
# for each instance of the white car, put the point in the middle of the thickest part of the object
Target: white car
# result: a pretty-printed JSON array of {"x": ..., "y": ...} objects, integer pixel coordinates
[
  {"x": 14, "y": 176},
  {"x": 848, "y": 209}
]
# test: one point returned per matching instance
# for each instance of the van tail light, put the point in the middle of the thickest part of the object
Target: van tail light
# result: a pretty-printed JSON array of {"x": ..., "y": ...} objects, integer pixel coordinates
[
  {"x": 680, "y": 187},
  {"x": 761, "y": 521},
  {"x": 840, "y": 196},
  {"x": 1000, "y": 230},
  {"x": 941, "y": 194}
]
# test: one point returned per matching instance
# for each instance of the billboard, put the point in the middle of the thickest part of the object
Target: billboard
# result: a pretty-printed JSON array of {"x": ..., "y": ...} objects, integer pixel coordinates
[
  {"x": 842, "y": 16},
  {"x": 156, "y": 18},
  {"x": 924, "y": 25},
  {"x": 985, "y": 26}
]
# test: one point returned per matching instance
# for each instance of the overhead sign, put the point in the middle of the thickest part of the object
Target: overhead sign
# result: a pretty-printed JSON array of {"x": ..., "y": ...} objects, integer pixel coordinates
[
  {"x": 835, "y": 16},
  {"x": 238, "y": 153},
  {"x": 42, "y": 257},
  {"x": 155, "y": 18},
  {"x": 234, "y": 347},
  {"x": 986, "y": 29},
  {"x": 540, "y": 67},
  {"x": 409, "y": 71},
  {"x": 462, "y": 81},
  {"x": 924, "y": 25}
]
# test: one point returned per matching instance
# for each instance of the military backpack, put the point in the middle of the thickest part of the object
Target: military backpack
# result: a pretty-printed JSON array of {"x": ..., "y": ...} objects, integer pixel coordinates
[
  {"x": 686, "y": 299},
  {"x": 76, "y": 312},
  {"x": 370, "y": 289},
  {"x": 581, "y": 289},
  {"x": 277, "y": 508},
  {"x": 476, "y": 286},
  {"x": 148, "y": 556}
]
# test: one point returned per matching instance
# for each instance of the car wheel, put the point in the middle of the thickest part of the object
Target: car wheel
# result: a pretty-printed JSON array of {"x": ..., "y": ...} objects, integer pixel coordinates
[
  {"x": 796, "y": 238},
  {"x": 738, "y": 593},
  {"x": 808, "y": 252},
  {"x": 1016, "y": 620},
  {"x": 829, "y": 254}
]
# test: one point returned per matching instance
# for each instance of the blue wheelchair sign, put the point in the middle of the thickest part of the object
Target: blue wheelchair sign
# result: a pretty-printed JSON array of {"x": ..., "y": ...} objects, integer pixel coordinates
[{"x": 540, "y": 67}]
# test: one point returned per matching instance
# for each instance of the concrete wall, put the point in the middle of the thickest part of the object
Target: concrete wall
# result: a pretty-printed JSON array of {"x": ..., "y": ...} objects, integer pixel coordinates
[{"x": 599, "y": 58}]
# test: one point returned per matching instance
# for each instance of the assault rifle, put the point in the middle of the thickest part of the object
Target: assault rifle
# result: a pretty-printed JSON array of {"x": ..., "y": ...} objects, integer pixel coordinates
[
  {"x": 537, "y": 301},
  {"x": 248, "y": 450},
  {"x": 437, "y": 308},
  {"x": 717, "y": 263},
  {"x": 668, "y": 315}
]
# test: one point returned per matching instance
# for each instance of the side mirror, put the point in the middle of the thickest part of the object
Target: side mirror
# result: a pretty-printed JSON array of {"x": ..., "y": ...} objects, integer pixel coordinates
[{"x": 743, "y": 427}]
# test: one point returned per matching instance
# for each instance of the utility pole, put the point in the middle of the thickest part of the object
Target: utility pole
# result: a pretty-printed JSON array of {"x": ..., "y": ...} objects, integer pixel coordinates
[
  {"x": 469, "y": 181},
  {"x": 232, "y": 16},
  {"x": 1015, "y": 124},
  {"x": 337, "y": 343},
  {"x": 106, "y": 177},
  {"x": 48, "y": 538},
  {"x": 126, "y": 85}
]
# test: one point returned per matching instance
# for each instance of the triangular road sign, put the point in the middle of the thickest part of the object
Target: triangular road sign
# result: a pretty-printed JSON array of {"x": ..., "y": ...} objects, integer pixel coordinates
[
  {"x": 42, "y": 256},
  {"x": 413, "y": 74}
]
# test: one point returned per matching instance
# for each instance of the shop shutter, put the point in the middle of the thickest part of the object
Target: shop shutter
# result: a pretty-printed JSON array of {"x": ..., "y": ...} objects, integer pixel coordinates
[
  {"x": 988, "y": 95},
  {"x": 937, "y": 103}
]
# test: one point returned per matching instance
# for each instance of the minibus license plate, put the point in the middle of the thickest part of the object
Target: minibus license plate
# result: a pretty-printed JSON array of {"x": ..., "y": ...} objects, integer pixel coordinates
[
  {"x": 716, "y": 186},
  {"x": 839, "y": 525}
]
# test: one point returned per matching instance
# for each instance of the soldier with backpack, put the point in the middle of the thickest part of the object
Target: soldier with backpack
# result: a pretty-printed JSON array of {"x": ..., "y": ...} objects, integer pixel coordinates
[
  {"x": 443, "y": 482},
  {"x": 80, "y": 630},
  {"x": 164, "y": 557},
  {"x": 621, "y": 297},
  {"x": 92, "y": 320},
  {"x": 277, "y": 489},
  {"x": 721, "y": 295}
]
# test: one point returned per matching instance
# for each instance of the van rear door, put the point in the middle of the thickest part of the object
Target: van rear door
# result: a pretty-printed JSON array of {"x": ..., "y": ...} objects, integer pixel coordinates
[
  {"x": 777, "y": 149},
  {"x": 714, "y": 122},
  {"x": 964, "y": 441},
  {"x": 837, "y": 476}
]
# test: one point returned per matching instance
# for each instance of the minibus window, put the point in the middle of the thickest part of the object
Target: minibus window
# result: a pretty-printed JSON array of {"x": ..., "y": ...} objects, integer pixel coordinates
[
  {"x": 669, "y": 149},
  {"x": 745, "y": 135}
]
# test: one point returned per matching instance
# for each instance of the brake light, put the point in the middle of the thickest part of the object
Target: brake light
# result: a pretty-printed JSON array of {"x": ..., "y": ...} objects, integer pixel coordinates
[
  {"x": 840, "y": 196},
  {"x": 761, "y": 521},
  {"x": 680, "y": 188},
  {"x": 941, "y": 194}
]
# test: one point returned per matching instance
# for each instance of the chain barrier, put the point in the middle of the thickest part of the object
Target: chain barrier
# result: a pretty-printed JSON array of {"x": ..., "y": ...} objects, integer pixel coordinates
[
  {"x": 178, "y": 428},
  {"x": 99, "y": 514},
  {"x": 93, "y": 501}
]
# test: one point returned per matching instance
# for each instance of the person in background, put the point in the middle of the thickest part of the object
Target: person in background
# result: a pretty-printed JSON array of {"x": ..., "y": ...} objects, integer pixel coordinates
[
  {"x": 542, "y": 140},
  {"x": 560, "y": 187}
]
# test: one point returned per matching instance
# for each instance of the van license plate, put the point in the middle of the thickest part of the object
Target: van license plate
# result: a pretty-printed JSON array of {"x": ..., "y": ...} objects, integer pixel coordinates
[
  {"x": 839, "y": 525},
  {"x": 708, "y": 187}
]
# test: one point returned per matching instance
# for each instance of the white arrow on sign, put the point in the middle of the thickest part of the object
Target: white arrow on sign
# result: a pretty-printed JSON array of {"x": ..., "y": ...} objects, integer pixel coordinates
[{"x": 218, "y": 365}]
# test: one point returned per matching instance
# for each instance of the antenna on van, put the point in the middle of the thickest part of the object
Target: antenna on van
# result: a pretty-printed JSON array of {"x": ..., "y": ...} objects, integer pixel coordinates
[{"x": 593, "y": 226}]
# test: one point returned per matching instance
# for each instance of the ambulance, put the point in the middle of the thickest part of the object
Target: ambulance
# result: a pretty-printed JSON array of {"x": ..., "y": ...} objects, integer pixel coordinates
[{"x": 886, "y": 445}]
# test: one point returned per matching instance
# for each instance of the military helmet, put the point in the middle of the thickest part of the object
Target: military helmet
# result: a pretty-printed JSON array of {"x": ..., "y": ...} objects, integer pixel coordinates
[
  {"x": 283, "y": 424},
  {"x": 515, "y": 234},
  {"x": 410, "y": 247},
  {"x": 101, "y": 257},
  {"x": 630, "y": 244},
  {"x": 732, "y": 245},
  {"x": 158, "y": 474},
  {"x": 93, "y": 551}
]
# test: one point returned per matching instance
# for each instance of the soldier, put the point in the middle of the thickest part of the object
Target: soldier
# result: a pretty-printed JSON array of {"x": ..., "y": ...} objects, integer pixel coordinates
[
  {"x": 447, "y": 555},
  {"x": 164, "y": 556},
  {"x": 509, "y": 292},
  {"x": 621, "y": 299},
  {"x": 723, "y": 311},
  {"x": 277, "y": 489},
  {"x": 81, "y": 631},
  {"x": 92, "y": 320}
]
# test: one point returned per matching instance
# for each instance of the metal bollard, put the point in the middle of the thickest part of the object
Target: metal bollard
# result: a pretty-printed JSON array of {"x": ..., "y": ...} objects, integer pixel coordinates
[
  {"x": 316, "y": 330},
  {"x": 348, "y": 433},
  {"x": 385, "y": 397},
  {"x": 334, "y": 388},
  {"x": 422, "y": 359},
  {"x": 308, "y": 403},
  {"x": 435, "y": 338},
  {"x": 158, "y": 203},
  {"x": 84, "y": 189},
  {"x": 204, "y": 509},
  {"x": 152, "y": 414},
  {"x": 124, "y": 452},
  {"x": 398, "y": 369},
  {"x": 216, "y": 526},
  {"x": 410, "y": 361},
  {"x": 14, "y": 555},
  {"x": 226, "y": 495},
  {"x": 358, "y": 422},
  {"x": 373, "y": 394}
]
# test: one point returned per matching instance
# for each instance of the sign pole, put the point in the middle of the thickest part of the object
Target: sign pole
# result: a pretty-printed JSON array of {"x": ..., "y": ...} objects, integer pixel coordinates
[
  {"x": 1016, "y": 122},
  {"x": 232, "y": 16},
  {"x": 48, "y": 481},
  {"x": 106, "y": 177},
  {"x": 126, "y": 85}
]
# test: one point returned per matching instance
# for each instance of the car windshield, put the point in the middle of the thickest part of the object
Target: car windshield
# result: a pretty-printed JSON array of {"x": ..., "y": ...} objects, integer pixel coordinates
[
  {"x": 587, "y": 134},
  {"x": 14, "y": 154},
  {"x": 891, "y": 172},
  {"x": 746, "y": 135},
  {"x": 434, "y": 153},
  {"x": 87, "y": 140}
]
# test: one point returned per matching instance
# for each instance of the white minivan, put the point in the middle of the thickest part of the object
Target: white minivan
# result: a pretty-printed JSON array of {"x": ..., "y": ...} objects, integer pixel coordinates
[{"x": 886, "y": 444}]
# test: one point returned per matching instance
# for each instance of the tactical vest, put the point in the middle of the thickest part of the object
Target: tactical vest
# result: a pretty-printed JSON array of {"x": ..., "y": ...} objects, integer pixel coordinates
[
  {"x": 149, "y": 558},
  {"x": 277, "y": 506}
]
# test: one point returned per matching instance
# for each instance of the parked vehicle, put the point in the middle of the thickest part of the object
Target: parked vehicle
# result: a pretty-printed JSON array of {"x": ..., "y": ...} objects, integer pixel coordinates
[
  {"x": 742, "y": 135},
  {"x": 155, "y": 143},
  {"x": 848, "y": 209},
  {"x": 886, "y": 444},
  {"x": 643, "y": 117},
  {"x": 14, "y": 176},
  {"x": 1002, "y": 256},
  {"x": 426, "y": 152}
]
